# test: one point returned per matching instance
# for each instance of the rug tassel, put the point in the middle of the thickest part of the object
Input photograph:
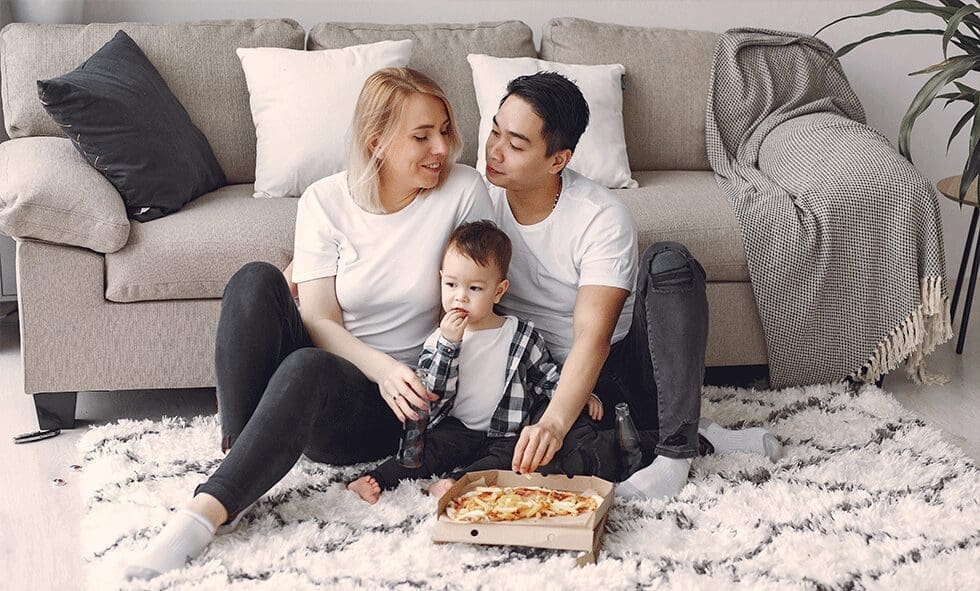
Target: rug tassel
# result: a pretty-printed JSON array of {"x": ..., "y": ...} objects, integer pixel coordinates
[{"x": 914, "y": 338}]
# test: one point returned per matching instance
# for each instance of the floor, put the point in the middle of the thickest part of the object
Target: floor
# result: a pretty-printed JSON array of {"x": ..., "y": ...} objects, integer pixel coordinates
[{"x": 40, "y": 522}]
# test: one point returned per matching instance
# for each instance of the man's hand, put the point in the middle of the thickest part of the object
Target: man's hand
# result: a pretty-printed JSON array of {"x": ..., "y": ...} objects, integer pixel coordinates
[
  {"x": 537, "y": 445},
  {"x": 453, "y": 324}
]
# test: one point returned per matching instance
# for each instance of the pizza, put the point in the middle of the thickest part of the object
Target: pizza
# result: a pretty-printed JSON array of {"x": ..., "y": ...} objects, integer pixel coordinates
[{"x": 513, "y": 503}]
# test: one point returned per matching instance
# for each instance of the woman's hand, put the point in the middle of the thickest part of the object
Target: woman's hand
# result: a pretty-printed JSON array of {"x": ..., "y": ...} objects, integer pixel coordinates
[
  {"x": 453, "y": 324},
  {"x": 537, "y": 445},
  {"x": 402, "y": 390},
  {"x": 594, "y": 406}
]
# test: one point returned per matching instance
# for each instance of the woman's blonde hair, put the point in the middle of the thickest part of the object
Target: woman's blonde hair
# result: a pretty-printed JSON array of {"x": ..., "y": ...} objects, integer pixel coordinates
[{"x": 376, "y": 117}]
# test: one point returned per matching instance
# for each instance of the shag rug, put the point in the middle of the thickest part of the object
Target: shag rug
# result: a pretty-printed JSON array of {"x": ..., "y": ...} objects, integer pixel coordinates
[{"x": 867, "y": 496}]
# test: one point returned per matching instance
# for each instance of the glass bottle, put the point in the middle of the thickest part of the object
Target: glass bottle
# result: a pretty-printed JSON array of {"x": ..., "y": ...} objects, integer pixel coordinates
[
  {"x": 629, "y": 440},
  {"x": 412, "y": 446}
]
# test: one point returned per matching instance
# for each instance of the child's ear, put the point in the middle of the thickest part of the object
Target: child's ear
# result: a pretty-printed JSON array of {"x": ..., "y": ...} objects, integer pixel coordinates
[{"x": 501, "y": 290}]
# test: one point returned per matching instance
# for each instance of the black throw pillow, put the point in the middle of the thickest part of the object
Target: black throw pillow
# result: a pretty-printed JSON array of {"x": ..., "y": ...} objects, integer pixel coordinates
[{"x": 122, "y": 117}]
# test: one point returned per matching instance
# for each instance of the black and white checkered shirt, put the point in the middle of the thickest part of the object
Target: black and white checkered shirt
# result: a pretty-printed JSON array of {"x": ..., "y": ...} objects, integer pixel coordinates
[{"x": 531, "y": 375}]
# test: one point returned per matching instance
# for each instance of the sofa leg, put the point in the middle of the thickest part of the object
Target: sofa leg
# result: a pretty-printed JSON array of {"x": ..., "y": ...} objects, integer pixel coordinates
[{"x": 55, "y": 410}]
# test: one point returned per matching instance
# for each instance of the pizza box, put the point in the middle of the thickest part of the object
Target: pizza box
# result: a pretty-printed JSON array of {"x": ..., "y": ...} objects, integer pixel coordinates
[{"x": 583, "y": 533}]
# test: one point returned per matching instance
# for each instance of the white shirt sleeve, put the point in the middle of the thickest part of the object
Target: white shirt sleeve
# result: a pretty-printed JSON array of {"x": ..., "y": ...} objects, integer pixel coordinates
[
  {"x": 476, "y": 205},
  {"x": 609, "y": 250},
  {"x": 315, "y": 250}
]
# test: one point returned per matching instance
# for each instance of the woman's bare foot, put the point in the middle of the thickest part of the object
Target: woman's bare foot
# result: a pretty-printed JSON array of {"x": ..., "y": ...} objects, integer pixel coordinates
[
  {"x": 367, "y": 488},
  {"x": 440, "y": 487}
]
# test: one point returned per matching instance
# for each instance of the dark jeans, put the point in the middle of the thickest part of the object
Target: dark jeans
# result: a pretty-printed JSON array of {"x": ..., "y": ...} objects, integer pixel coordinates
[
  {"x": 450, "y": 444},
  {"x": 280, "y": 397},
  {"x": 659, "y": 367}
]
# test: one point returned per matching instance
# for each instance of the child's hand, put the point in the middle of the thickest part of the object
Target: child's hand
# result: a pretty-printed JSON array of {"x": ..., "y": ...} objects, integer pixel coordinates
[
  {"x": 452, "y": 325},
  {"x": 594, "y": 407}
]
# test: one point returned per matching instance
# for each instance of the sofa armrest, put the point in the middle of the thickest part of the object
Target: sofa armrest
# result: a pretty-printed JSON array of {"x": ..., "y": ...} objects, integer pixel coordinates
[{"x": 49, "y": 192}]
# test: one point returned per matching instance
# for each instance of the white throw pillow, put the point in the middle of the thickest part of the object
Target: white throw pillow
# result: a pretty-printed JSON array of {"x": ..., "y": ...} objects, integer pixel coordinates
[
  {"x": 601, "y": 152},
  {"x": 302, "y": 106}
]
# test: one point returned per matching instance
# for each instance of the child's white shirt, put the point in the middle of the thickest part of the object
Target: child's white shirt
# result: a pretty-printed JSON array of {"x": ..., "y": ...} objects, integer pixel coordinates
[{"x": 482, "y": 371}]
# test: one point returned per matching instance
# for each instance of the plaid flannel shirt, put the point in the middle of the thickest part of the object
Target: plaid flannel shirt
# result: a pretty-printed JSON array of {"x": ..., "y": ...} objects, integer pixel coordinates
[{"x": 531, "y": 375}]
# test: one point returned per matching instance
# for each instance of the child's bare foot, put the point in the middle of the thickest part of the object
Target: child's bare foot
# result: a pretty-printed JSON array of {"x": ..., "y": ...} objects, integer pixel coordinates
[
  {"x": 440, "y": 487},
  {"x": 367, "y": 488}
]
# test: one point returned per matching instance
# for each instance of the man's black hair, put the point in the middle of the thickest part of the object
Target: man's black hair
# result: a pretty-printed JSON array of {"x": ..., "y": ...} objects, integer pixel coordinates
[{"x": 559, "y": 103}]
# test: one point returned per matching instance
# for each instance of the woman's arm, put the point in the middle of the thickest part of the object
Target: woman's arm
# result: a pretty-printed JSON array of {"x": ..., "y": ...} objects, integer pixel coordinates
[
  {"x": 324, "y": 321},
  {"x": 288, "y": 273}
]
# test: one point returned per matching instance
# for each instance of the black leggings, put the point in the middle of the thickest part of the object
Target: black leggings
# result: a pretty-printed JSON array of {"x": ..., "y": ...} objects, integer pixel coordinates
[{"x": 280, "y": 397}]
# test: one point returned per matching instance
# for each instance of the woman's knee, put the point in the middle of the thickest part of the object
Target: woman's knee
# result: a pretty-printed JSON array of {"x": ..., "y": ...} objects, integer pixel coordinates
[
  {"x": 309, "y": 364},
  {"x": 254, "y": 277},
  {"x": 255, "y": 289},
  {"x": 670, "y": 266}
]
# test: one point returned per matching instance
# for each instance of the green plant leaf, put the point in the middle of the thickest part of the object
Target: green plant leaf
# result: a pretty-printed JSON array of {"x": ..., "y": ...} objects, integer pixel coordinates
[
  {"x": 959, "y": 125},
  {"x": 952, "y": 97},
  {"x": 964, "y": 88},
  {"x": 969, "y": 22},
  {"x": 845, "y": 49},
  {"x": 955, "y": 68},
  {"x": 954, "y": 24},
  {"x": 933, "y": 68},
  {"x": 907, "y": 5},
  {"x": 970, "y": 172}
]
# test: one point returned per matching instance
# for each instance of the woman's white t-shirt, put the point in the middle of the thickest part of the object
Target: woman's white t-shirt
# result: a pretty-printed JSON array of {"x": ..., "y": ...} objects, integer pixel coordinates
[
  {"x": 483, "y": 358},
  {"x": 589, "y": 239},
  {"x": 386, "y": 265}
]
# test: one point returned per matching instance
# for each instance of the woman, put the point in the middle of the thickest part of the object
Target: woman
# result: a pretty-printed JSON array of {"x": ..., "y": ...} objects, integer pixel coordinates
[{"x": 334, "y": 381}]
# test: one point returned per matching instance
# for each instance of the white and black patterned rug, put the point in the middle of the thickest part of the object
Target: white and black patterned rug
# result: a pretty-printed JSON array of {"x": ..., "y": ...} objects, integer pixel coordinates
[{"x": 867, "y": 496}]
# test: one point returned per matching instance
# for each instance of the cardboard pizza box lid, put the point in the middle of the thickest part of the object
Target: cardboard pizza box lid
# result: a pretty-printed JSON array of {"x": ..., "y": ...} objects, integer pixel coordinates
[{"x": 574, "y": 533}]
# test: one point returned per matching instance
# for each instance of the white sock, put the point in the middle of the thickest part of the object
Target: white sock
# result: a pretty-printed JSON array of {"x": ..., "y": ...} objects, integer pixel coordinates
[
  {"x": 662, "y": 479},
  {"x": 184, "y": 537},
  {"x": 754, "y": 440}
]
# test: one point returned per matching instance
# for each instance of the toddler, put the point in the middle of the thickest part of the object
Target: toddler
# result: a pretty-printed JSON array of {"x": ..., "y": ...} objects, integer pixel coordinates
[{"x": 491, "y": 372}]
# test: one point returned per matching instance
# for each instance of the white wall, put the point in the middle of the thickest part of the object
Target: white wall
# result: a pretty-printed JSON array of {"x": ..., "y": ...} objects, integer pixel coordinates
[{"x": 877, "y": 71}]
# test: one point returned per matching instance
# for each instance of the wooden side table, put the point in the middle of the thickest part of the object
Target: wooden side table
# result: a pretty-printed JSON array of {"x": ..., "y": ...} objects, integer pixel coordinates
[{"x": 950, "y": 187}]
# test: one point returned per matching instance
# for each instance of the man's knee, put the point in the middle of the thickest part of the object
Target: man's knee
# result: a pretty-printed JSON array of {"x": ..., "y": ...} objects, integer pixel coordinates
[{"x": 671, "y": 267}]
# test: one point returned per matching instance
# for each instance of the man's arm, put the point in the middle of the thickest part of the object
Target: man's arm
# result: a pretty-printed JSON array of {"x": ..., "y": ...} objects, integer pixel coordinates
[{"x": 597, "y": 309}]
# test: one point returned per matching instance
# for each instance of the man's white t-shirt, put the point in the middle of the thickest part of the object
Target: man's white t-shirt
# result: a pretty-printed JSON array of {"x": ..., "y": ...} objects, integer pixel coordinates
[
  {"x": 483, "y": 359},
  {"x": 387, "y": 265},
  {"x": 589, "y": 239}
]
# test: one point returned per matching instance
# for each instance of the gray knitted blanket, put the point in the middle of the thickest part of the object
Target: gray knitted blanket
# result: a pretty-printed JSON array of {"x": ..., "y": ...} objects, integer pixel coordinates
[{"x": 843, "y": 236}]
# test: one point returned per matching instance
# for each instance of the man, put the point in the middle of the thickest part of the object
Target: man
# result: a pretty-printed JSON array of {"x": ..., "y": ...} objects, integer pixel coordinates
[{"x": 629, "y": 334}]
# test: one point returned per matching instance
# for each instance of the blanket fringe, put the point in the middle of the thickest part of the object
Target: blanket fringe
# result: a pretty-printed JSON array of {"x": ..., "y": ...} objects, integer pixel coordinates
[{"x": 928, "y": 326}]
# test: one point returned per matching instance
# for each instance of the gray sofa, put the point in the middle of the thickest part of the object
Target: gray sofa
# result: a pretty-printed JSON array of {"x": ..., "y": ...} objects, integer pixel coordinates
[{"x": 109, "y": 305}]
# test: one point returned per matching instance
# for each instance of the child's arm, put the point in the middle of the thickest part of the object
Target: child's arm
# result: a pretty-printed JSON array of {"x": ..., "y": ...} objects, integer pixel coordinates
[
  {"x": 542, "y": 371},
  {"x": 439, "y": 361}
]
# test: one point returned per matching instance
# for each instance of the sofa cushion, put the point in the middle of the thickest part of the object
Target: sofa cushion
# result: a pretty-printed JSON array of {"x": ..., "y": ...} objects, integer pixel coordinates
[
  {"x": 688, "y": 207},
  {"x": 49, "y": 192},
  {"x": 193, "y": 253},
  {"x": 197, "y": 60},
  {"x": 601, "y": 151},
  {"x": 667, "y": 76},
  {"x": 122, "y": 118},
  {"x": 300, "y": 98},
  {"x": 440, "y": 51}
]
